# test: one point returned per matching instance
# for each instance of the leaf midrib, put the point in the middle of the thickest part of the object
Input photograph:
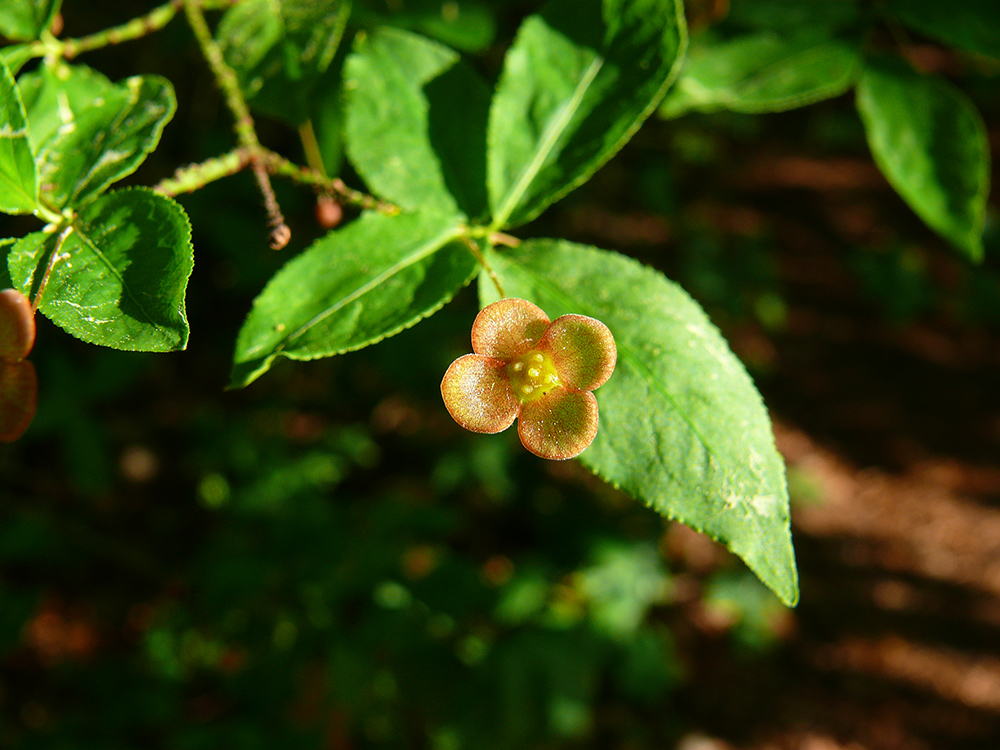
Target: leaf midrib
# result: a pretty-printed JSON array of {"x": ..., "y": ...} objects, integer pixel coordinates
[
  {"x": 556, "y": 127},
  {"x": 423, "y": 251}
]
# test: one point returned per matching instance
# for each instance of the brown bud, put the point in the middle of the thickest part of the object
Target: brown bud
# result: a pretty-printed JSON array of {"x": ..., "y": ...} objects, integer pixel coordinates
[
  {"x": 328, "y": 212},
  {"x": 17, "y": 325}
]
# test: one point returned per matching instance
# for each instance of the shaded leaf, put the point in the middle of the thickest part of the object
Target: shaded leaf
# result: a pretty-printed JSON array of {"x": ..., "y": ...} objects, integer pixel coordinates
[
  {"x": 354, "y": 287},
  {"x": 682, "y": 426},
  {"x": 279, "y": 49},
  {"x": 578, "y": 81},
  {"x": 416, "y": 122},
  {"x": 794, "y": 15},
  {"x": 25, "y": 20},
  {"x": 930, "y": 143},
  {"x": 121, "y": 277},
  {"x": 762, "y": 72},
  {"x": 18, "y": 186},
  {"x": 88, "y": 132},
  {"x": 973, "y": 25}
]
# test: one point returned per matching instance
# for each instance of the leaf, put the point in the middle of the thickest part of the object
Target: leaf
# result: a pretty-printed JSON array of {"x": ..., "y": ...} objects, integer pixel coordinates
[
  {"x": 682, "y": 426},
  {"x": 973, "y": 25},
  {"x": 6, "y": 244},
  {"x": 16, "y": 55},
  {"x": 578, "y": 81},
  {"x": 89, "y": 132},
  {"x": 762, "y": 72},
  {"x": 930, "y": 143},
  {"x": 124, "y": 275},
  {"x": 416, "y": 122},
  {"x": 18, "y": 186},
  {"x": 25, "y": 20},
  {"x": 353, "y": 287},
  {"x": 279, "y": 49}
]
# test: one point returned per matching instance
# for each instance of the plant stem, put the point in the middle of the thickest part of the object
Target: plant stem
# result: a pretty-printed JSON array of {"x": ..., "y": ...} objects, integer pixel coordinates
[
  {"x": 194, "y": 176},
  {"x": 310, "y": 147},
  {"x": 243, "y": 125},
  {"x": 139, "y": 27},
  {"x": 277, "y": 164},
  {"x": 481, "y": 259}
]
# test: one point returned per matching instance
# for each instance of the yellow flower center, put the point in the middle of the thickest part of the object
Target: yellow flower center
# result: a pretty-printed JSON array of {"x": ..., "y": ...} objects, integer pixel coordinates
[{"x": 532, "y": 375}]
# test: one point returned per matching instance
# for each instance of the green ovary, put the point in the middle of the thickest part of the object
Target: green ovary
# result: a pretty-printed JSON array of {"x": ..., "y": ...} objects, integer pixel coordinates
[{"x": 532, "y": 375}]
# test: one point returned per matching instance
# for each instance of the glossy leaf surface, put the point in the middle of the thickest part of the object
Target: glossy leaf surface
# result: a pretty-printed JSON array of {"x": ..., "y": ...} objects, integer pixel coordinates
[
  {"x": 279, "y": 51},
  {"x": 578, "y": 81},
  {"x": 930, "y": 143},
  {"x": 18, "y": 186},
  {"x": 122, "y": 275},
  {"x": 682, "y": 426},
  {"x": 88, "y": 132},
  {"x": 416, "y": 118},
  {"x": 354, "y": 287}
]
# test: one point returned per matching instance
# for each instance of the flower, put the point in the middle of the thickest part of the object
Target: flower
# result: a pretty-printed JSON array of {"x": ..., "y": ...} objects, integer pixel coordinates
[
  {"x": 537, "y": 371},
  {"x": 18, "y": 382}
]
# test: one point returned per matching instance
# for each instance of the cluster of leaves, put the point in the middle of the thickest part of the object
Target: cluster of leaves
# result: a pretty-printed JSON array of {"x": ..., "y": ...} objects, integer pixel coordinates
[
  {"x": 926, "y": 136},
  {"x": 683, "y": 428}
]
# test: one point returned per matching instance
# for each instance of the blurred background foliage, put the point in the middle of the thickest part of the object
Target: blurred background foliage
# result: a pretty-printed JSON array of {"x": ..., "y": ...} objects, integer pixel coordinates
[{"x": 324, "y": 559}]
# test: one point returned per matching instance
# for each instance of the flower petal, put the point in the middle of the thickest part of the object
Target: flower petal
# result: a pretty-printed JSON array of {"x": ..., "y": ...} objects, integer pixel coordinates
[
  {"x": 582, "y": 349},
  {"x": 507, "y": 328},
  {"x": 559, "y": 425},
  {"x": 18, "y": 398},
  {"x": 477, "y": 394},
  {"x": 17, "y": 325}
]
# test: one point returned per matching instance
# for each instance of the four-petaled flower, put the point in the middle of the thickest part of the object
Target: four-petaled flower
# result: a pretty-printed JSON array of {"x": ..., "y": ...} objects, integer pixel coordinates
[{"x": 538, "y": 371}]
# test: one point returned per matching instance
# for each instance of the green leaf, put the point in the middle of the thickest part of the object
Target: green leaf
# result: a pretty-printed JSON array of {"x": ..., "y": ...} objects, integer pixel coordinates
[
  {"x": 682, "y": 426},
  {"x": 930, "y": 143},
  {"x": 973, "y": 25},
  {"x": 121, "y": 275},
  {"x": 416, "y": 123},
  {"x": 279, "y": 49},
  {"x": 16, "y": 55},
  {"x": 353, "y": 287},
  {"x": 578, "y": 81},
  {"x": 18, "y": 186},
  {"x": 88, "y": 132},
  {"x": 25, "y": 20},
  {"x": 6, "y": 244},
  {"x": 763, "y": 72},
  {"x": 467, "y": 25}
]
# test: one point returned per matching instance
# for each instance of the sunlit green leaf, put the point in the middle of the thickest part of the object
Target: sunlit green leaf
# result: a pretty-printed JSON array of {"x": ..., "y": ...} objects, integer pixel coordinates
[
  {"x": 354, "y": 287},
  {"x": 578, "y": 81},
  {"x": 682, "y": 426},
  {"x": 930, "y": 143},
  {"x": 121, "y": 275},
  {"x": 26, "y": 19},
  {"x": 280, "y": 49},
  {"x": 762, "y": 72},
  {"x": 18, "y": 186},
  {"x": 89, "y": 132},
  {"x": 416, "y": 121},
  {"x": 971, "y": 24}
]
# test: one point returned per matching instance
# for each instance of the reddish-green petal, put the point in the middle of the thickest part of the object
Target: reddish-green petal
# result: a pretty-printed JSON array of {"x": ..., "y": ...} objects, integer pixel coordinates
[
  {"x": 582, "y": 349},
  {"x": 507, "y": 328},
  {"x": 17, "y": 325},
  {"x": 559, "y": 425},
  {"x": 18, "y": 398},
  {"x": 477, "y": 394}
]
